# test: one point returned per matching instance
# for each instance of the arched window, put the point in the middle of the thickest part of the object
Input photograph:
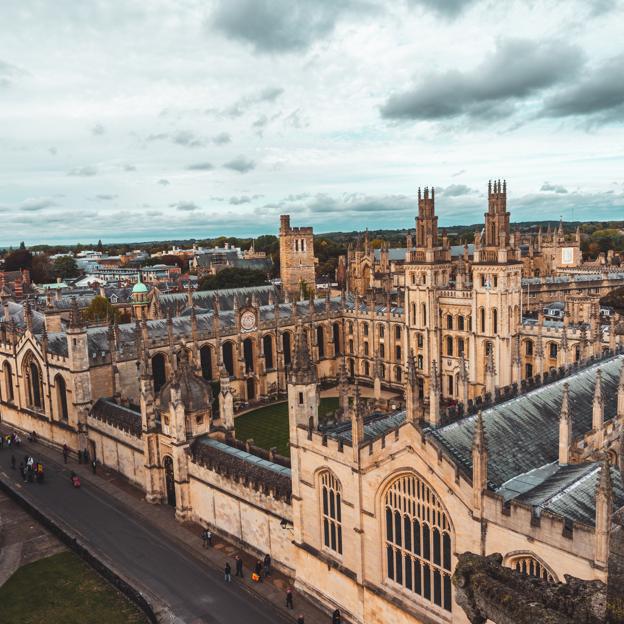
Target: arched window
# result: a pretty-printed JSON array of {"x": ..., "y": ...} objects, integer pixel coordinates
[
  {"x": 320, "y": 341},
  {"x": 460, "y": 346},
  {"x": 205, "y": 358},
  {"x": 423, "y": 314},
  {"x": 413, "y": 311},
  {"x": 267, "y": 347},
  {"x": 351, "y": 346},
  {"x": 228, "y": 358},
  {"x": 460, "y": 322},
  {"x": 381, "y": 331},
  {"x": 34, "y": 388},
  {"x": 397, "y": 374},
  {"x": 8, "y": 381},
  {"x": 382, "y": 350},
  {"x": 248, "y": 354},
  {"x": 418, "y": 540},
  {"x": 286, "y": 345},
  {"x": 482, "y": 315},
  {"x": 449, "y": 321},
  {"x": 397, "y": 332},
  {"x": 159, "y": 371},
  {"x": 366, "y": 369},
  {"x": 365, "y": 328},
  {"x": 553, "y": 350},
  {"x": 336, "y": 338},
  {"x": 528, "y": 346},
  {"x": 397, "y": 353},
  {"x": 331, "y": 510},
  {"x": 529, "y": 565},
  {"x": 350, "y": 326},
  {"x": 61, "y": 397},
  {"x": 419, "y": 361},
  {"x": 494, "y": 321},
  {"x": 366, "y": 348},
  {"x": 449, "y": 345}
]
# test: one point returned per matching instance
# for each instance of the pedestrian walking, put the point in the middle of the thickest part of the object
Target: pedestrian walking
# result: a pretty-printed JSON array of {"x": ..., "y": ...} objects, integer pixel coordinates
[
  {"x": 1, "y": 442},
  {"x": 13, "y": 462},
  {"x": 85, "y": 456},
  {"x": 65, "y": 453},
  {"x": 258, "y": 571},
  {"x": 22, "y": 469},
  {"x": 289, "y": 598},
  {"x": 267, "y": 564},
  {"x": 93, "y": 466},
  {"x": 336, "y": 617},
  {"x": 300, "y": 619},
  {"x": 209, "y": 537},
  {"x": 228, "y": 572},
  {"x": 79, "y": 456},
  {"x": 239, "y": 566}
]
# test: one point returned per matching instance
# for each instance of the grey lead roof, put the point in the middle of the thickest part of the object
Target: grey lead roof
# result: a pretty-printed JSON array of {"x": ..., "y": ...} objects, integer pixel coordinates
[{"x": 523, "y": 433}]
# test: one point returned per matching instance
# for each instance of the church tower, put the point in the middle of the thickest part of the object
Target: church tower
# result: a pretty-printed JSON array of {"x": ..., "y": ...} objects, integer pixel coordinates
[
  {"x": 297, "y": 261},
  {"x": 428, "y": 270},
  {"x": 496, "y": 296}
]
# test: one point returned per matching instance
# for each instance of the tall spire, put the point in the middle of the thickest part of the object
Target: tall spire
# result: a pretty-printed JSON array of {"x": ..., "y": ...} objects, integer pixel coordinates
[
  {"x": 565, "y": 427},
  {"x": 412, "y": 398},
  {"x": 302, "y": 370},
  {"x": 75, "y": 321},
  {"x": 604, "y": 510},
  {"x": 479, "y": 463},
  {"x": 598, "y": 403},
  {"x": 434, "y": 395}
]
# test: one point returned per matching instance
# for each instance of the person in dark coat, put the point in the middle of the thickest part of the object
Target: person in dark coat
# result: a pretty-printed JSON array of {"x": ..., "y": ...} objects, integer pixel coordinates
[
  {"x": 93, "y": 466},
  {"x": 65, "y": 453},
  {"x": 289, "y": 598},
  {"x": 267, "y": 564},
  {"x": 228, "y": 572},
  {"x": 258, "y": 570},
  {"x": 239, "y": 566},
  {"x": 336, "y": 618}
]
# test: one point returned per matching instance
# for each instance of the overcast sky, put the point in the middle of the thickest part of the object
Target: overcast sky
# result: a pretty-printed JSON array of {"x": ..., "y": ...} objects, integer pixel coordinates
[{"x": 144, "y": 119}]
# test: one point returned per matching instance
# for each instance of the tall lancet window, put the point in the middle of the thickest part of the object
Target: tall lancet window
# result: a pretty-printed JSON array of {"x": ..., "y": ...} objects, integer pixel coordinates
[
  {"x": 418, "y": 540},
  {"x": 331, "y": 511}
]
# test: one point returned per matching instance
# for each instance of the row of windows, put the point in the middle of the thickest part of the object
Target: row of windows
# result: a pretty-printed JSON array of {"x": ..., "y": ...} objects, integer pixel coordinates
[
  {"x": 34, "y": 392},
  {"x": 381, "y": 328}
]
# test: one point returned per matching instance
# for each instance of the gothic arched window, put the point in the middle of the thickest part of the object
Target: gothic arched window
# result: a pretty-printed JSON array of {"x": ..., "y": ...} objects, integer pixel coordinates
[
  {"x": 494, "y": 321},
  {"x": 529, "y": 565},
  {"x": 8, "y": 381},
  {"x": 61, "y": 397},
  {"x": 34, "y": 387},
  {"x": 331, "y": 511},
  {"x": 286, "y": 345},
  {"x": 336, "y": 338},
  {"x": 418, "y": 540},
  {"x": 267, "y": 347},
  {"x": 205, "y": 358},
  {"x": 320, "y": 341},
  {"x": 159, "y": 371}
]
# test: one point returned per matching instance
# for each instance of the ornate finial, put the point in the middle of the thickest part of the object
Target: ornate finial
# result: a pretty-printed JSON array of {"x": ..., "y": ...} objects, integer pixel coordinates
[
  {"x": 479, "y": 441},
  {"x": 565, "y": 402},
  {"x": 75, "y": 320},
  {"x": 302, "y": 370}
]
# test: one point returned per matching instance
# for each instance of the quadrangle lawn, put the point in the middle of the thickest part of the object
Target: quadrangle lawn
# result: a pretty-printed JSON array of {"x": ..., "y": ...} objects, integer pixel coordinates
[
  {"x": 268, "y": 426},
  {"x": 63, "y": 589}
]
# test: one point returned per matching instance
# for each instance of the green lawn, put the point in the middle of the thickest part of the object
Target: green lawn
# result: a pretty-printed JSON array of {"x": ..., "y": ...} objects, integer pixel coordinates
[
  {"x": 63, "y": 589},
  {"x": 268, "y": 426}
]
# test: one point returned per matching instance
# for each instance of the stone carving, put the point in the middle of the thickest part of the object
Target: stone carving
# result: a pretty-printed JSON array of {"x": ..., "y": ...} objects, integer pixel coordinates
[{"x": 488, "y": 591}]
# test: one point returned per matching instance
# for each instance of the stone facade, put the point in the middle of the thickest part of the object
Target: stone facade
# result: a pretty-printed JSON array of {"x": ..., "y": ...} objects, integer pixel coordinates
[{"x": 297, "y": 261}]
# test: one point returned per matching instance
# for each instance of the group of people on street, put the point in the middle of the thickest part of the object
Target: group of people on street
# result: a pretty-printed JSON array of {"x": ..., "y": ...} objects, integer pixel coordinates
[
  {"x": 83, "y": 458},
  {"x": 10, "y": 440},
  {"x": 30, "y": 470},
  {"x": 261, "y": 570}
]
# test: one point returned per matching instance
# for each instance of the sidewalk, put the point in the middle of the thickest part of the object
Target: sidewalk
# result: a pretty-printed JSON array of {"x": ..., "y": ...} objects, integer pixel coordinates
[{"x": 186, "y": 535}]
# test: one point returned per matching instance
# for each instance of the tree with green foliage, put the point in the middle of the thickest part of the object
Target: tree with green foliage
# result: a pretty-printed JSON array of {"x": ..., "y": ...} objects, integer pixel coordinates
[
  {"x": 41, "y": 271},
  {"x": 233, "y": 278},
  {"x": 65, "y": 266},
  {"x": 100, "y": 309}
]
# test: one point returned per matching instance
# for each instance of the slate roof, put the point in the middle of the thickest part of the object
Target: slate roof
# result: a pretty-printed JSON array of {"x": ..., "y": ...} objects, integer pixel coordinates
[
  {"x": 523, "y": 433},
  {"x": 16, "y": 312},
  {"x": 124, "y": 418},
  {"x": 375, "y": 425},
  {"x": 176, "y": 302}
]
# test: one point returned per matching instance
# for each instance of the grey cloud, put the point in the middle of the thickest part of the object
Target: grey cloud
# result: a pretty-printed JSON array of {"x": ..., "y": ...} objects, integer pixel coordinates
[
  {"x": 36, "y": 204},
  {"x": 98, "y": 129},
  {"x": 202, "y": 166},
  {"x": 243, "y": 104},
  {"x": 517, "y": 69},
  {"x": 129, "y": 167},
  {"x": 598, "y": 96},
  {"x": 164, "y": 182},
  {"x": 53, "y": 151},
  {"x": 105, "y": 197},
  {"x": 458, "y": 173},
  {"x": 240, "y": 164},
  {"x": 185, "y": 206},
  {"x": 160, "y": 136},
  {"x": 83, "y": 172},
  {"x": 277, "y": 25},
  {"x": 446, "y": 8},
  {"x": 222, "y": 138},
  {"x": 188, "y": 139},
  {"x": 553, "y": 188},
  {"x": 153, "y": 213},
  {"x": 237, "y": 201},
  {"x": 457, "y": 190}
]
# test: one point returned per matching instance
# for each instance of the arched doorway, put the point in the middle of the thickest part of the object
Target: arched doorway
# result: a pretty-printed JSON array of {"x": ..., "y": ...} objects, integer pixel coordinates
[{"x": 169, "y": 480}]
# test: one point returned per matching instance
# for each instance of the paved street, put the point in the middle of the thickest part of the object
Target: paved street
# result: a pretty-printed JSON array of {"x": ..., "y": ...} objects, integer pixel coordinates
[{"x": 194, "y": 591}]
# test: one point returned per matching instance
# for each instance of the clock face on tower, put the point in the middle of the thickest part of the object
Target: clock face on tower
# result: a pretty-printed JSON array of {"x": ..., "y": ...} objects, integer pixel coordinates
[{"x": 248, "y": 321}]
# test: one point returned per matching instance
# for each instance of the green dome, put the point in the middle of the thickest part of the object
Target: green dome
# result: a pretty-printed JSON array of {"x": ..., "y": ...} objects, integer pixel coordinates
[{"x": 139, "y": 288}]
